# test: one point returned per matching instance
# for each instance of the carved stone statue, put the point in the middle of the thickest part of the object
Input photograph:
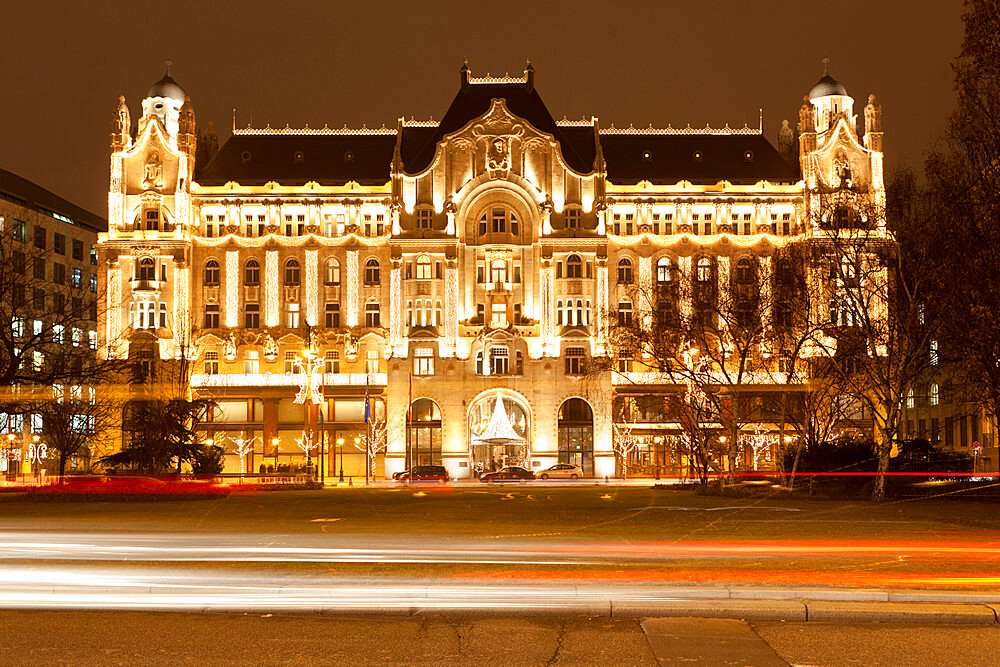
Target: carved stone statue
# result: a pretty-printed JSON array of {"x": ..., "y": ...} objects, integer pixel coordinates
[
  {"x": 351, "y": 347},
  {"x": 229, "y": 348},
  {"x": 122, "y": 126},
  {"x": 785, "y": 140},
  {"x": 270, "y": 348},
  {"x": 154, "y": 171},
  {"x": 842, "y": 176}
]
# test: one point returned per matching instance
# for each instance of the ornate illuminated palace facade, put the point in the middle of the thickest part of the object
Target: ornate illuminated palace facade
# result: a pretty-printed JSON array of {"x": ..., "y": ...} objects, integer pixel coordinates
[{"x": 442, "y": 267}]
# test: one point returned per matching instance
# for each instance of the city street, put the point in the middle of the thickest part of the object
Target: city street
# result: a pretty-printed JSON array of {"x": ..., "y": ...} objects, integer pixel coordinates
[{"x": 600, "y": 575}]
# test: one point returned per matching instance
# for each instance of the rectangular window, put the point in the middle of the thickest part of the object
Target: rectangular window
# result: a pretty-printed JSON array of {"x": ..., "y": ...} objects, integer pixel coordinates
[
  {"x": 93, "y": 283},
  {"x": 499, "y": 360},
  {"x": 77, "y": 278},
  {"x": 963, "y": 431},
  {"x": 39, "y": 268},
  {"x": 572, "y": 218},
  {"x": 212, "y": 316},
  {"x": 211, "y": 363},
  {"x": 59, "y": 274},
  {"x": 575, "y": 357},
  {"x": 251, "y": 362},
  {"x": 331, "y": 361},
  {"x": 423, "y": 361},
  {"x": 624, "y": 314},
  {"x": 424, "y": 217},
  {"x": 293, "y": 316},
  {"x": 59, "y": 243},
  {"x": 332, "y": 316},
  {"x": 18, "y": 230},
  {"x": 290, "y": 362},
  {"x": 251, "y": 316},
  {"x": 372, "y": 315},
  {"x": 40, "y": 237},
  {"x": 372, "y": 362},
  {"x": 78, "y": 250}
]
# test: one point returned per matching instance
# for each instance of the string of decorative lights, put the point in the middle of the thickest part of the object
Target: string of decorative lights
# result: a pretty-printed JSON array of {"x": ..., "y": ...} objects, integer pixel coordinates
[
  {"x": 271, "y": 305},
  {"x": 351, "y": 300},
  {"x": 181, "y": 296},
  {"x": 232, "y": 279},
  {"x": 312, "y": 287},
  {"x": 451, "y": 309},
  {"x": 289, "y": 241},
  {"x": 735, "y": 239},
  {"x": 114, "y": 310},
  {"x": 222, "y": 380}
]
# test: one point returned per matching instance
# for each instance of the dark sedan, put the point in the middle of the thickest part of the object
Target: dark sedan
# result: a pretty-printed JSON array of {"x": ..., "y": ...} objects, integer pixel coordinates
[
  {"x": 423, "y": 474},
  {"x": 508, "y": 474}
]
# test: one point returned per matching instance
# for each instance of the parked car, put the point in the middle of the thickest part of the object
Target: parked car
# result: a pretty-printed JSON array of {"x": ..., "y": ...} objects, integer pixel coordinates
[
  {"x": 423, "y": 474},
  {"x": 508, "y": 474},
  {"x": 562, "y": 471}
]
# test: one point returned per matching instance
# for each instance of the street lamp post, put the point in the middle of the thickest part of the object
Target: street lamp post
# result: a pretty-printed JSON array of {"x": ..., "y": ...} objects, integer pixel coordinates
[{"x": 340, "y": 446}]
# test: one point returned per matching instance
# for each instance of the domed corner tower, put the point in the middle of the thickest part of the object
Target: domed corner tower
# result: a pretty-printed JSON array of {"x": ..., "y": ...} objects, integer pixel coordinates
[
  {"x": 830, "y": 100},
  {"x": 145, "y": 253}
]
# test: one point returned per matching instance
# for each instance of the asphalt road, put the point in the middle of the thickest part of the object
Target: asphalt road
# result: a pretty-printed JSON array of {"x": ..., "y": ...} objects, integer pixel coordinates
[
  {"x": 129, "y": 638},
  {"x": 604, "y": 534}
]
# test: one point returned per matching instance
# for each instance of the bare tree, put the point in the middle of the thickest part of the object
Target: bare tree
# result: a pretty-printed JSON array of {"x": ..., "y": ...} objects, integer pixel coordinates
[
  {"x": 74, "y": 420},
  {"x": 875, "y": 271},
  {"x": 963, "y": 177}
]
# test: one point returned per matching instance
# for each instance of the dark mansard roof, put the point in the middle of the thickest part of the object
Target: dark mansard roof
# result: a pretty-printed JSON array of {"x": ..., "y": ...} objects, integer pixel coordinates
[
  {"x": 295, "y": 159},
  {"x": 664, "y": 159},
  {"x": 661, "y": 158}
]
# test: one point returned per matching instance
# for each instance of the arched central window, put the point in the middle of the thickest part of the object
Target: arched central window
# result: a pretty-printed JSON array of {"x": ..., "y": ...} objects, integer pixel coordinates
[
  {"x": 251, "y": 273},
  {"x": 624, "y": 271},
  {"x": 212, "y": 272},
  {"x": 372, "y": 273},
  {"x": 744, "y": 271},
  {"x": 292, "y": 272},
  {"x": 574, "y": 266},
  {"x": 664, "y": 270},
  {"x": 703, "y": 273},
  {"x": 424, "y": 268},
  {"x": 147, "y": 269},
  {"x": 498, "y": 271}
]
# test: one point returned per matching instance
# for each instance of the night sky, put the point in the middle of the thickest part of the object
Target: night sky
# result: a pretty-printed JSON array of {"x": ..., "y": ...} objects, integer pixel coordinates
[{"x": 369, "y": 62}]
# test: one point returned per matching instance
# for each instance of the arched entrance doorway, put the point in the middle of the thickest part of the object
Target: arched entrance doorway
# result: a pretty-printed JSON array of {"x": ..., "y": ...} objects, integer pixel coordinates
[
  {"x": 423, "y": 433},
  {"x": 498, "y": 432},
  {"x": 576, "y": 434}
]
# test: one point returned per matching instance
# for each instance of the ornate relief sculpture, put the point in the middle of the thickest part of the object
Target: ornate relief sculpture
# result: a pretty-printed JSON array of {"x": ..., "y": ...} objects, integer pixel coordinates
[
  {"x": 154, "y": 171},
  {"x": 498, "y": 155}
]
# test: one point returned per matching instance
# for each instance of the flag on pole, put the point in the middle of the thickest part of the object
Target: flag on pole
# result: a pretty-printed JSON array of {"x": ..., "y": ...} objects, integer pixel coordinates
[{"x": 367, "y": 394}]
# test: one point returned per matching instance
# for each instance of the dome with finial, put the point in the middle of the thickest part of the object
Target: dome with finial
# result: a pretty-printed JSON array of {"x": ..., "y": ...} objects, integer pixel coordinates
[
  {"x": 166, "y": 87},
  {"x": 827, "y": 85}
]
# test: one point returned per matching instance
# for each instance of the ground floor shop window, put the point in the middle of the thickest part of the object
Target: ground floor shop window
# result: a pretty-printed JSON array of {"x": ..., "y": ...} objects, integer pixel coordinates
[
  {"x": 576, "y": 434},
  {"x": 423, "y": 433}
]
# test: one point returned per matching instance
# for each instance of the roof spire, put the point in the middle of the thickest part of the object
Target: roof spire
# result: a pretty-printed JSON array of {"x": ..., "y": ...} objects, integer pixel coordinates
[
  {"x": 169, "y": 63},
  {"x": 529, "y": 76},
  {"x": 826, "y": 66},
  {"x": 463, "y": 74}
]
